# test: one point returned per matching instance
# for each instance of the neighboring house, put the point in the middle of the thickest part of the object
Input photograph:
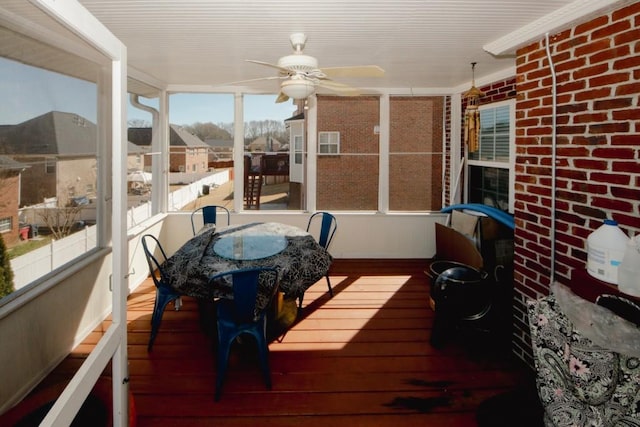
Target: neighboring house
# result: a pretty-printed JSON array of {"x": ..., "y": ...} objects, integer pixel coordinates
[
  {"x": 187, "y": 152},
  {"x": 135, "y": 157},
  {"x": 264, "y": 144},
  {"x": 221, "y": 149},
  {"x": 9, "y": 198},
  {"x": 60, "y": 150}
]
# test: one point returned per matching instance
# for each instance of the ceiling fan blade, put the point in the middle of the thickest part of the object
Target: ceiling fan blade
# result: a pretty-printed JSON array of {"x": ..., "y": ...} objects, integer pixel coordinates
[
  {"x": 281, "y": 98},
  {"x": 355, "y": 71},
  {"x": 267, "y": 64},
  {"x": 341, "y": 88},
  {"x": 259, "y": 79}
]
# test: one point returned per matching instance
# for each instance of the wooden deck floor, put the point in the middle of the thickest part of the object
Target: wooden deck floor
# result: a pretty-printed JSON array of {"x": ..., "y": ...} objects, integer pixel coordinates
[{"x": 362, "y": 358}]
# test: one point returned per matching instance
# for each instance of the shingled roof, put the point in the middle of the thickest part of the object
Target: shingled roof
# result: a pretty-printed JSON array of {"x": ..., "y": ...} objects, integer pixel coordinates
[
  {"x": 53, "y": 133},
  {"x": 177, "y": 137}
]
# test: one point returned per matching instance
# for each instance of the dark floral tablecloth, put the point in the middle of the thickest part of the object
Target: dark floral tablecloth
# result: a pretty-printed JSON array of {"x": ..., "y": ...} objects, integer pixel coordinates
[
  {"x": 580, "y": 384},
  {"x": 300, "y": 264}
]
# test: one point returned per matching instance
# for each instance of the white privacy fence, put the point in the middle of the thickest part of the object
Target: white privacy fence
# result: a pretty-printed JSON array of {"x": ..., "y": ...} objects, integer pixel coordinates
[
  {"x": 188, "y": 193},
  {"x": 37, "y": 263}
]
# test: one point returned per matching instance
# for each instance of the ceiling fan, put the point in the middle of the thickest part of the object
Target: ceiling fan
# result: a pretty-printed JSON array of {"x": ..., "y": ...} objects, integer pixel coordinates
[{"x": 301, "y": 76}]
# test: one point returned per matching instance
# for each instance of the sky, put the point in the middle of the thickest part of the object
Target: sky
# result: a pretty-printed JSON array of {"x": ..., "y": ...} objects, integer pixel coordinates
[
  {"x": 186, "y": 109},
  {"x": 28, "y": 92}
]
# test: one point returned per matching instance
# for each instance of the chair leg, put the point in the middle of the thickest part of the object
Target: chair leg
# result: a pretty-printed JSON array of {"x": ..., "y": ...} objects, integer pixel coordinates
[
  {"x": 329, "y": 285},
  {"x": 224, "y": 346},
  {"x": 263, "y": 353},
  {"x": 162, "y": 299}
]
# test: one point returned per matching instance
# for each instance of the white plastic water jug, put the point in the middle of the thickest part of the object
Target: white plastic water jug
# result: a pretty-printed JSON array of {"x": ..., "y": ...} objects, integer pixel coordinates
[
  {"x": 629, "y": 269},
  {"x": 605, "y": 249}
]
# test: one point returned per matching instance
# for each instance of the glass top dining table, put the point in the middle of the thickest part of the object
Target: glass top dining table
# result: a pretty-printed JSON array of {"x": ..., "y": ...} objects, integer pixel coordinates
[{"x": 299, "y": 259}]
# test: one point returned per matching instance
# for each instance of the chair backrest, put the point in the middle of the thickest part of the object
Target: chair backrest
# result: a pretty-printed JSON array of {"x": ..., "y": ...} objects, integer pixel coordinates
[
  {"x": 328, "y": 227},
  {"x": 245, "y": 283},
  {"x": 153, "y": 262},
  {"x": 209, "y": 215}
]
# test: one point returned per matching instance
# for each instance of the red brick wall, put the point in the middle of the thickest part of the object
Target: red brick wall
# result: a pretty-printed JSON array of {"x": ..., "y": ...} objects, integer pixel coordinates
[
  {"x": 9, "y": 182},
  {"x": 447, "y": 149},
  {"x": 415, "y": 145},
  {"x": 598, "y": 148},
  {"x": 349, "y": 180},
  {"x": 495, "y": 92}
]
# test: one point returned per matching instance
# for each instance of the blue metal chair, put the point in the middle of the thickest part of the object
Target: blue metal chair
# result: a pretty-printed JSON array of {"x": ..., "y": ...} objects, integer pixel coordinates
[
  {"x": 327, "y": 225},
  {"x": 164, "y": 293},
  {"x": 239, "y": 316},
  {"x": 209, "y": 215}
]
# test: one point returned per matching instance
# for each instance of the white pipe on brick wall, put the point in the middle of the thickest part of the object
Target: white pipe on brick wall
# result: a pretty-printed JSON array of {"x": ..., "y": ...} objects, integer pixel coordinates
[{"x": 552, "y": 230}]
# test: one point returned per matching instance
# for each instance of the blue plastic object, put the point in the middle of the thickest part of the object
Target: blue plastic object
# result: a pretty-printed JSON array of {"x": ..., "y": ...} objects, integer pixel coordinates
[
  {"x": 494, "y": 213},
  {"x": 238, "y": 316},
  {"x": 164, "y": 292}
]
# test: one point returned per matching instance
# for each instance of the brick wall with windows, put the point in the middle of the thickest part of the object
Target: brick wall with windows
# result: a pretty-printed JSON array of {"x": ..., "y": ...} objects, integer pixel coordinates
[
  {"x": 597, "y": 65},
  {"x": 349, "y": 180}
]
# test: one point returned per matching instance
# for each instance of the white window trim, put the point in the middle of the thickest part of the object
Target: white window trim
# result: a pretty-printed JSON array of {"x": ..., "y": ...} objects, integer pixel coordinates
[
  {"x": 512, "y": 152},
  {"x": 330, "y": 136}
]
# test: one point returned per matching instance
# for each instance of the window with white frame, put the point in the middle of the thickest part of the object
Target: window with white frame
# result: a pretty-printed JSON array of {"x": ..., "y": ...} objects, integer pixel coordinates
[
  {"x": 298, "y": 147},
  {"x": 491, "y": 173},
  {"x": 328, "y": 142},
  {"x": 6, "y": 224}
]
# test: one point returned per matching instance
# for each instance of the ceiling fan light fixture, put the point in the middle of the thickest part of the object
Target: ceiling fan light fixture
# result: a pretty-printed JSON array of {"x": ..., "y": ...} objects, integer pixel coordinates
[
  {"x": 298, "y": 62},
  {"x": 298, "y": 88}
]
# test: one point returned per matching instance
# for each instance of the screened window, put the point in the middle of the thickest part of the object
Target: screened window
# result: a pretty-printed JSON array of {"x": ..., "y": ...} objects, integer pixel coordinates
[
  {"x": 415, "y": 153},
  {"x": 491, "y": 170},
  {"x": 328, "y": 142},
  {"x": 54, "y": 130}
]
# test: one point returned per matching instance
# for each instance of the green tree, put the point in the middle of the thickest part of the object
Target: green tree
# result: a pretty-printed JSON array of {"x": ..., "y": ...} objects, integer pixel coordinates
[{"x": 6, "y": 275}]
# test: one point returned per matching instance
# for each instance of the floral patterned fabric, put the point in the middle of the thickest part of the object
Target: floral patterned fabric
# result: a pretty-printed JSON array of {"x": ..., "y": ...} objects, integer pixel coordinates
[
  {"x": 580, "y": 383},
  {"x": 300, "y": 264}
]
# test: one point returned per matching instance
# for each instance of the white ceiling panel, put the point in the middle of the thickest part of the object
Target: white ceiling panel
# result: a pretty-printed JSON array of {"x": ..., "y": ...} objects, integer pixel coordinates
[{"x": 421, "y": 44}]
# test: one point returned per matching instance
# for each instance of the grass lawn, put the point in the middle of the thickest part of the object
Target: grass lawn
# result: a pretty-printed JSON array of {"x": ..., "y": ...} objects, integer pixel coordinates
[{"x": 30, "y": 245}]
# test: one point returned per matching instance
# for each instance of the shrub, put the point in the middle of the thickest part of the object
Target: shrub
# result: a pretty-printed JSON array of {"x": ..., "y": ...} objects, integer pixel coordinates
[{"x": 6, "y": 275}]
